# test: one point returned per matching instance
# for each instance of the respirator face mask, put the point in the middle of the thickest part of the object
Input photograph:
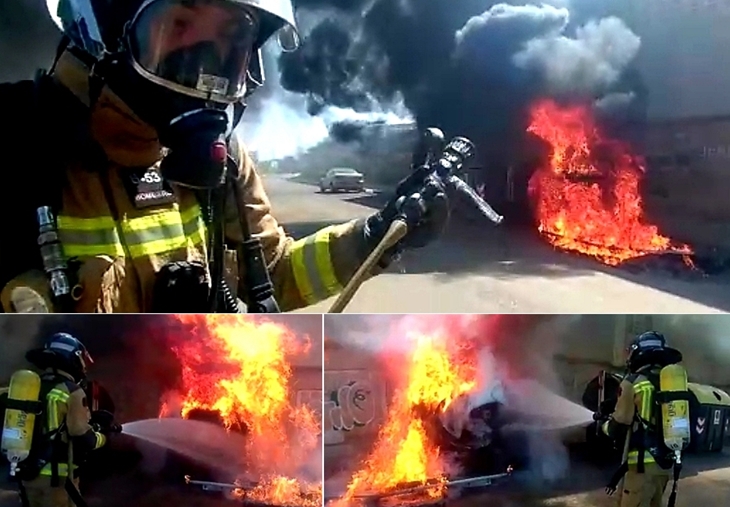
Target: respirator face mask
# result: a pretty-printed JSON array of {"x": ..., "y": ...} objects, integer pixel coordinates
[
  {"x": 199, "y": 52},
  {"x": 199, "y": 48}
]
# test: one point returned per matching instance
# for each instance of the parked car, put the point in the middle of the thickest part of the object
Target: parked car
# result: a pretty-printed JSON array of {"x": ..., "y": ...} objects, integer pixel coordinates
[{"x": 342, "y": 178}]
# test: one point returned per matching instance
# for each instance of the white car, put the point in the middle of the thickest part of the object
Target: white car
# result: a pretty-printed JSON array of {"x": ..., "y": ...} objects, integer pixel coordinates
[{"x": 342, "y": 178}]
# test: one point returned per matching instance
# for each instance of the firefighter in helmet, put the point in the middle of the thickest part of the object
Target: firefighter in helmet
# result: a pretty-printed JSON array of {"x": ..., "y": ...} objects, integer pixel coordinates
[
  {"x": 136, "y": 122},
  {"x": 65, "y": 430},
  {"x": 636, "y": 424}
]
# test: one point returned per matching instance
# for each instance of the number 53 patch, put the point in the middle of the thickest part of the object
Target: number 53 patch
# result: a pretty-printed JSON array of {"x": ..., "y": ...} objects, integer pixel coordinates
[{"x": 147, "y": 188}]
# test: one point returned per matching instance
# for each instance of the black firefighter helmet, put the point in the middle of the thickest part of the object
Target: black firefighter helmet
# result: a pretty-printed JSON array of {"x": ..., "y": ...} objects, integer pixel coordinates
[
  {"x": 650, "y": 349},
  {"x": 62, "y": 352}
]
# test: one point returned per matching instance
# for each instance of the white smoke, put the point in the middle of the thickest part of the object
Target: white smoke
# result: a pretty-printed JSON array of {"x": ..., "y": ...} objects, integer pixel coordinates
[
  {"x": 515, "y": 369},
  {"x": 278, "y": 125},
  {"x": 592, "y": 61}
]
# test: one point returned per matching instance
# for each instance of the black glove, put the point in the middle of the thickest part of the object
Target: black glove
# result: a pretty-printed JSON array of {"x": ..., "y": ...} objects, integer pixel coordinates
[
  {"x": 425, "y": 210},
  {"x": 103, "y": 422},
  {"x": 600, "y": 418}
]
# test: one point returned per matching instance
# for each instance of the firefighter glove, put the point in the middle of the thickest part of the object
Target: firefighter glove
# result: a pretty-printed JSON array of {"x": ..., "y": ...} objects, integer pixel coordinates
[
  {"x": 425, "y": 210},
  {"x": 103, "y": 422}
]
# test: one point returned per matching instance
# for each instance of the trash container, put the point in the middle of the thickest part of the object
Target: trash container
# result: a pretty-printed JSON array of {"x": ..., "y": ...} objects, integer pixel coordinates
[{"x": 710, "y": 415}]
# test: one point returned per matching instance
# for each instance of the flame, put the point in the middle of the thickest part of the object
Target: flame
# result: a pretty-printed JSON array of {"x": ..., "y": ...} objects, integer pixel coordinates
[
  {"x": 587, "y": 195},
  {"x": 404, "y": 454},
  {"x": 238, "y": 367}
]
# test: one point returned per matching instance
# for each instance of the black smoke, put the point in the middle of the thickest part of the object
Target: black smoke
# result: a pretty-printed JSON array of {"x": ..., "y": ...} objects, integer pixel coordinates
[{"x": 470, "y": 67}]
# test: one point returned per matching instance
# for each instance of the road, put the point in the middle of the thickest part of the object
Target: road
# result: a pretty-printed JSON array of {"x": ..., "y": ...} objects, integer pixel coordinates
[
  {"x": 477, "y": 268},
  {"x": 705, "y": 480}
]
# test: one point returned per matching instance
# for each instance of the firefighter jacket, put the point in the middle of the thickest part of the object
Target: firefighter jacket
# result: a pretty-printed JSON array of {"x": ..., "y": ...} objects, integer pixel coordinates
[
  {"x": 67, "y": 413},
  {"x": 120, "y": 247},
  {"x": 634, "y": 407}
]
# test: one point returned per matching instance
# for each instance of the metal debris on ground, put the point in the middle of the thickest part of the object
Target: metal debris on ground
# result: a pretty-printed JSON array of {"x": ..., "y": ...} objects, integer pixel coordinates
[
  {"x": 418, "y": 495},
  {"x": 236, "y": 492}
]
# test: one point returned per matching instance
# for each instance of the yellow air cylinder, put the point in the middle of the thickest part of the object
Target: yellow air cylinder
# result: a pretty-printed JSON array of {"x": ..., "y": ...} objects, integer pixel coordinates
[
  {"x": 17, "y": 436},
  {"x": 675, "y": 413}
]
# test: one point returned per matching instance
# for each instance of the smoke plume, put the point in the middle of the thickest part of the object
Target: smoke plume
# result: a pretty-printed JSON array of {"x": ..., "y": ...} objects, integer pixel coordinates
[{"x": 470, "y": 67}]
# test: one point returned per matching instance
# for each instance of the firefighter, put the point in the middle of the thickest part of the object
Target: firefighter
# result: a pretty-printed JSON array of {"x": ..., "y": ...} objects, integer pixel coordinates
[
  {"x": 637, "y": 422},
  {"x": 65, "y": 429},
  {"x": 134, "y": 124}
]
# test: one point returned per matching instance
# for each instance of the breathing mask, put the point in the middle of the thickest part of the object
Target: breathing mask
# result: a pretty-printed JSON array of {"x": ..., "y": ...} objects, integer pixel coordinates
[{"x": 183, "y": 66}]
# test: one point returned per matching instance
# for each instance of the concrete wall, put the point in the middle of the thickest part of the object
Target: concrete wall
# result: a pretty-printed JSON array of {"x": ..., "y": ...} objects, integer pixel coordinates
[
  {"x": 686, "y": 185},
  {"x": 599, "y": 341},
  {"x": 355, "y": 401}
]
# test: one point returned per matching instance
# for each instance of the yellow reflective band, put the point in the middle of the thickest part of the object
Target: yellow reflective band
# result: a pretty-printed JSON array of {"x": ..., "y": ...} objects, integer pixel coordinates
[
  {"x": 62, "y": 470},
  {"x": 313, "y": 269},
  {"x": 148, "y": 235},
  {"x": 55, "y": 396},
  {"x": 646, "y": 390},
  {"x": 59, "y": 394},
  {"x": 643, "y": 383},
  {"x": 100, "y": 440},
  {"x": 53, "y": 421},
  {"x": 604, "y": 427},
  {"x": 633, "y": 457}
]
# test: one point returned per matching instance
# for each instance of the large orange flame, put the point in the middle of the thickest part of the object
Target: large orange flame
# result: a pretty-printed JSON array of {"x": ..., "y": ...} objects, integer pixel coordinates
[
  {"x": 404, "y": 453},
  {"x": 239, "y": 368},
  {"x": 587, "y": 195}
]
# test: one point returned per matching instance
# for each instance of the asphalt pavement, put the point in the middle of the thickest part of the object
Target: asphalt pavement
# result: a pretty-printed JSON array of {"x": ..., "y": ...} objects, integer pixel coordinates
[
  {"x": 705, "y": 480},
  {"x": 479, "y": 268}
]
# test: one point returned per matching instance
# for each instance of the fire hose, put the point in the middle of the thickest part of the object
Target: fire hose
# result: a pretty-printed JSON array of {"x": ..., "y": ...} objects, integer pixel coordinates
[{"x": 432, "y": 159}]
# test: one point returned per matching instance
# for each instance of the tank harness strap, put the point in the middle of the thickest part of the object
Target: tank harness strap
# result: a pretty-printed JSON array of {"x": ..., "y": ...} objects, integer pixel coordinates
[
  {"x": 673, "y": 495},
  {"x": 624, "y": 467},
  {"x": 23, "y": 494},
  {"x": 641, "y": 447},
  {"x": 29, "y": 407},
  {"x": 616, "y": 478},
  {"x": 668, "y": 397},
  {"x": 54, "y": 435},
  {"x": 53, "y": 438}
]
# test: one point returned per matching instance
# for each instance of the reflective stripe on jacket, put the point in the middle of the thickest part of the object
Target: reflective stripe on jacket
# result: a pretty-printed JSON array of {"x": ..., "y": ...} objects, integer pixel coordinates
[
  {"x": 311, "y": 261},
  {"x": 120, "y": 248},
  {"x": 644, "y": 398},
  {"x": 635, "y": 401},
  {"x": 67, "y": 409},
  {"x": 157, "y": 233}
]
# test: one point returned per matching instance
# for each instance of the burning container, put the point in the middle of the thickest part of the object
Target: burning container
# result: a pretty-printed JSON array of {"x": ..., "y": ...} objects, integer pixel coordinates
[{"x": 710, "y": 415}]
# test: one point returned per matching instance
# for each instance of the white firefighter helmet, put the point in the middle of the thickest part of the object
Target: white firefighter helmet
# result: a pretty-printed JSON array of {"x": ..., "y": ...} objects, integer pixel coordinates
[{"x": 208, "y": 49}]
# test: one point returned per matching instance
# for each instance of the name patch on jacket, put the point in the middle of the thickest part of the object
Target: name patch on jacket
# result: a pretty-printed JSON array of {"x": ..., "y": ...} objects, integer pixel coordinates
[{"x": 147, "y": 188}]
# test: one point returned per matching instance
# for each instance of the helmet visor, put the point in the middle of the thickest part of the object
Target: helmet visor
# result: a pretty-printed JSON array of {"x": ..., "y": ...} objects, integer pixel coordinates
[{"x": 201, "y": 48}]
